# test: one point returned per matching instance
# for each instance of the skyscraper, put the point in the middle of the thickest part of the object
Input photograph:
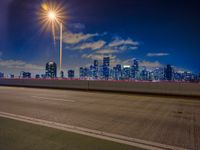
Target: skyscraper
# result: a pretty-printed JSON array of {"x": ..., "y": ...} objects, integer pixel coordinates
[
  {"x": 103, "y": 70},
  {"x": 144, "y": 75},
  {"x": 158, "y": 74},
  {"x": 106, "y": 65},
  {"x": 169, "y": 73},
  {"x": 134, "y": 69},
  {"x": 1, "y": 75},
  {"x": 117, "y": 72},
  {"x": 84, "y": 73},
  {"x": 71, "y": 73},
  {"x": 96, "y": 63},
  {"x": 62, "y": 74},
  {"x": 136, "y": 64},
  {"x": 11, "y": 76},
  {"x": 81, "y": 72},
  {"x": 25, "y": 75},
  {"x": 51, "y": 70},
  {"x": 126, "y": 72},
  {"x": 199, "y": 77},
  {"x": 37, "y": 76},
  {"x": 95, "y": 69}
]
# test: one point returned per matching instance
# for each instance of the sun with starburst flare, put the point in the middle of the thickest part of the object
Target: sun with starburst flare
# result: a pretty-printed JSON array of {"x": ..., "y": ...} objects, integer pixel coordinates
[{"x": 51, "y": 15}]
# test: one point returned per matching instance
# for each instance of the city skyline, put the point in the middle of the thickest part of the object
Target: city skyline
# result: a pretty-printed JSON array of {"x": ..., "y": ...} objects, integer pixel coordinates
[
  {"x": 148, "y": 32},
  {"x": 104, "y": 70}
]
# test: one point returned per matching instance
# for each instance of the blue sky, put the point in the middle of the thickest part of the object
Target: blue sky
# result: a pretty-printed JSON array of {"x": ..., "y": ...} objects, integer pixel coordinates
[{"x": 157, "y": 32}]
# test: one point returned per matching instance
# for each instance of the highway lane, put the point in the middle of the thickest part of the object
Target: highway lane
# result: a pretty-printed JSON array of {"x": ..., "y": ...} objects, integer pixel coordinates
[{"x": 170, "y": 121}]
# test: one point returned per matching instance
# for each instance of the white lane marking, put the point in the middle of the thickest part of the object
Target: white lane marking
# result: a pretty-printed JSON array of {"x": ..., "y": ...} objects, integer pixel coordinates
[
  {"x": 93, "y": 133},
  {"x": 53, "y": 99}
]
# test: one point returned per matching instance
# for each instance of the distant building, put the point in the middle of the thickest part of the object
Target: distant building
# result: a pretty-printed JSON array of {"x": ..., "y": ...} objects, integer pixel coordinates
[
  {"x": 84, "y": 73},
  {"x": 25, "y": 75},
  {"x": 43, "y": 76},
  {"x": 194, "y": 78},
  {"x": 169, "y": 73},
  {"x": 134, "y": 69},
  {"x": 71, "y": 74},
  {"x": 81, "y": 73},
  {"x": 186, "y": 76},
  {"x": 178, "y": 76},
  {"x": 62, "y": 74},
  {"x": 144, "y": 75},
  {"x": 37, "y": 76},
  {"x": 1, "y": 75},
  {"x": 158, "y": 74},
  {"x": 96, "y": 63},
  {"x": 151, "y": 76},
  {"x": 51, "y": 70},
  {"x": 117, "y": 72},
  {"x": 126, "y": 74},
  {"x": 106, "y": 69},
  {"x": 11, "y": 76},
  {"x": 100, "y": 72},
  {"x": 136, "y": 64},
  {"x": 199, "y": 77},
  {"x": 91, "y": 70},
  {"x": 95, "y": 69}
]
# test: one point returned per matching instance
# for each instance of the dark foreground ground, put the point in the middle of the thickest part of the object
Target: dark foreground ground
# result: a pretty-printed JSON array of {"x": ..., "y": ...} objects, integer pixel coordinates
[
  {"x": 15, "y": 135},
  {"x": 173, "y": 121}
]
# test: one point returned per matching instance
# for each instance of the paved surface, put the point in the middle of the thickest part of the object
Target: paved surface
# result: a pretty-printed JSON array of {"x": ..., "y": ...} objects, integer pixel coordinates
[
  {"x": 169, "y": 121},
  {"x": 19, "y": 135},
  {"x": 136, "y": 143}
]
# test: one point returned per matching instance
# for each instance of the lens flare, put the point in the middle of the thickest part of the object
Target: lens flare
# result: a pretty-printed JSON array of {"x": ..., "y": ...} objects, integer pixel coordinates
[
  {"x": 51, "y": 15},
  {"x": 44, "y": 6}
]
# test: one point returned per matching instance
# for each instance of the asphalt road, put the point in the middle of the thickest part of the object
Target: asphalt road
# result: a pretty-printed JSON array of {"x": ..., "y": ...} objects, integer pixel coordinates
[{"x": 165, "y": 120}]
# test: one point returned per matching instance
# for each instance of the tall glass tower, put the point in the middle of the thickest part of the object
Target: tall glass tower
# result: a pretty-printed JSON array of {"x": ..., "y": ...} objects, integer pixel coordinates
[
  {"x": 95, "y": 69},
  {"x": 106, "y": 65},
  {"x": 134, "y": 69},
  {"x": 51, "y": 70},
  {"x": 169, "y": 73}
]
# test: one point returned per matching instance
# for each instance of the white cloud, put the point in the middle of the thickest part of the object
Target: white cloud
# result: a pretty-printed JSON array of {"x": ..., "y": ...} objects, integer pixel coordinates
[
  {"x": 112, "y": 50},
  {"x": 127, "y": 47},
  {"x": 149, "y": 64},
  {"x": 180, "y": 70},
  {"x": 95, "y": 56},
  {"x": 79, "y": 41},
  {"x": 75, "y": 38},
  {"x": 107, "y": 51},
  {"x": 157, "y": 54},
  {"x": 92, "y": 45},
  {"x": 120, "y": 42},
  {"x": 18, "y": 65},
  {"x": 77, "y": 25}
]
